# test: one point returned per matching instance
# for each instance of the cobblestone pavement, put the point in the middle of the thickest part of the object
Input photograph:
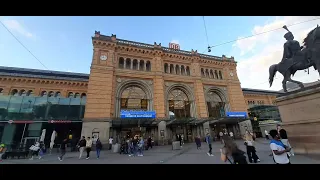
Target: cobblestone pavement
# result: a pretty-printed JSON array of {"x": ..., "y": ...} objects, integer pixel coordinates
[{"x": 164, "y": 155}]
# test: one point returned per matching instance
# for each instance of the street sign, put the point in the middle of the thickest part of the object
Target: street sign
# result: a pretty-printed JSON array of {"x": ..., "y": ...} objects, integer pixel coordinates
[{"x": 10, "y": 121}]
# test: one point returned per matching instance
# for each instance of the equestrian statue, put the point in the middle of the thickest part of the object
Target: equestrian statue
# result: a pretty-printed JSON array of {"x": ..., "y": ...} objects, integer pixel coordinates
[{"x": 296, "y": 57}]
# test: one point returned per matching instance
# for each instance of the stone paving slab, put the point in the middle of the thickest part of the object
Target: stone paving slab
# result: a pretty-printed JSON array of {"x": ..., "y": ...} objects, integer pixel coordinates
[{"x": 164, "y": 155}]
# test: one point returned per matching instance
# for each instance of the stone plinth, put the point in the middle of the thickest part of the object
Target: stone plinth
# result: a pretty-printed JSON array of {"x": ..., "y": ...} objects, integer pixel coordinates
[{"x": 300, "y": 114}]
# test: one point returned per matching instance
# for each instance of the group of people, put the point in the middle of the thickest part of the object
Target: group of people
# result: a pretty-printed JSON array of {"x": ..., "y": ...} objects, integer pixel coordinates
[
  {"x": 135, "y": 146},
  {"x": 279, "y": 145}
]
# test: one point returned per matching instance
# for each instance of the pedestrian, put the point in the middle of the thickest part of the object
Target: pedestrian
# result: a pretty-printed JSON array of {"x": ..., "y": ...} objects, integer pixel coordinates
[
  {"x": 110, "y": 142},
  {"x": 88, "y": 147},
  {"x": 198, "y": 142},
  {"x": 279, "y": 150},
  {"x": 34, "y": 150},
  {"x": 251, "y": 150},
  {"x": 2, "y": 150},
  {"x": 82, "y": 145},
  {"x": 267, "y": 134},
  {"x": 134, "y": 146},
  {"x": 220, "y": 136},
  {"x": 180, "y": 139},
  {"x": 98, "y": 147},
  {"x": 231, "y": 135},
  {"x": 208, "y": 140},
  {"x": 63, "y": 148},
  {"x": 230, "y": 152},
  {"x": 285, "y": 141},
  {"x": 149, "y": 142},
  {"x": 141, "y": 146},
  {"x": 42, "y": 149}
]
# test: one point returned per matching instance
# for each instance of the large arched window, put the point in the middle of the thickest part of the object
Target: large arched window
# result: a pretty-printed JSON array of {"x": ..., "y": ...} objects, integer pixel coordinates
[
  {"x": 133, "y": 98},
  {"x": 179, "y": 103},
  {"x": 216, "y": 105}
]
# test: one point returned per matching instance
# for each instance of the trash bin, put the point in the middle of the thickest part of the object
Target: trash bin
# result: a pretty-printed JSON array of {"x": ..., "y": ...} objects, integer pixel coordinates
[
  {"x": 176, "y": 145},
  {"x": 116, "y": 148}
]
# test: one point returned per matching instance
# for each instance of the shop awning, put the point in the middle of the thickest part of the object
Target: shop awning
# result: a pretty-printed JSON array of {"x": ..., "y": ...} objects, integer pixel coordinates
[
  {"x": 134, "y": 122},
  {"x": 227, "y": 120}
]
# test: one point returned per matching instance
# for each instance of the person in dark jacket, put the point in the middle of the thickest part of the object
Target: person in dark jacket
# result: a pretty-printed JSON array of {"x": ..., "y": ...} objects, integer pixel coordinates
[
  {"x": 149, "y": 142},
  {"x": 98, "y": 147},
  {"x": 198, "y": 142},
  {"x": 82, "y": 145}
]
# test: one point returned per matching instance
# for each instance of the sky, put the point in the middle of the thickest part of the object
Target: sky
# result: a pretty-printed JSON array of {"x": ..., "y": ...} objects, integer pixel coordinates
[{"x": 63, "y": 43}]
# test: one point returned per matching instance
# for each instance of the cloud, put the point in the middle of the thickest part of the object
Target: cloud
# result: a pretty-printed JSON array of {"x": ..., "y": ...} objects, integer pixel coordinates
[
  {"x": 175, "y": 41},
  {"x": 15, "y": 26},
  {"x": 256, "y": 54}
]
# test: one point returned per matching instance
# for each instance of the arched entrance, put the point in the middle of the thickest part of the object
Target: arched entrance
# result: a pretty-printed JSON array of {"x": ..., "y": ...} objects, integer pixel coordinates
[{"x": 132, "y": 95}]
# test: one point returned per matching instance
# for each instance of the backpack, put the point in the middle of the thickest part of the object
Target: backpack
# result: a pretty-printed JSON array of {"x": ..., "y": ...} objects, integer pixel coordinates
[{"x": 239, "y": 158}]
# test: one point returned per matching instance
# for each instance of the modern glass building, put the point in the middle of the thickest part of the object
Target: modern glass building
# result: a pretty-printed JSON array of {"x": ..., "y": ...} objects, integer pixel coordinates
[
  {"x": 264, "y": 117},
  {"x": 23, "y": 117}
]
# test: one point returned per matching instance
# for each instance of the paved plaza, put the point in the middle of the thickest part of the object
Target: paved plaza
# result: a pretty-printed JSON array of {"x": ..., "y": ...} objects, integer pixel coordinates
[{"x": 163, "y": 155}]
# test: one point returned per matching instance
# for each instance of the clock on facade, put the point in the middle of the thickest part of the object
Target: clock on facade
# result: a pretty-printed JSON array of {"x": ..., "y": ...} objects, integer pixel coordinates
[{"x": 103, "y": 57}]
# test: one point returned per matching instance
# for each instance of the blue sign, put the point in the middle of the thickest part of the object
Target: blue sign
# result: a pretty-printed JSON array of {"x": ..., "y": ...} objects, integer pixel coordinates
[
  {"x": 137, "y": 114},
  {"x": 237, "y": 114}
]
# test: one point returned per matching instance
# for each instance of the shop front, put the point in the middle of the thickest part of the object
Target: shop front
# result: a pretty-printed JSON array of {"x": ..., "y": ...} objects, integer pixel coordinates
[{"x": 23, "y": 119}]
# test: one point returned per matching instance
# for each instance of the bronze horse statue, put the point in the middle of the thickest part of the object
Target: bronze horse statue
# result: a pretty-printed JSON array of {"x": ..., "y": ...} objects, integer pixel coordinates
[{"x": 309, "y": 56}]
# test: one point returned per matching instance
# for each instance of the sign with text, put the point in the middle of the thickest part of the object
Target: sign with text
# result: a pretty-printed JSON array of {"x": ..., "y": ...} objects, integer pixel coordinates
[
  {"x": 137, "y": 114},
  {"x": 237, "y": 114},
  {"x": 174, "y": 46}
]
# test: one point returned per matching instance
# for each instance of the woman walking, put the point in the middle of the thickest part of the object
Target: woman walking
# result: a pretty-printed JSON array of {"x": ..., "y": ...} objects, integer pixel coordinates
[
  {"x": 98, "y": 147},
  {"x": 230, "y": 152},
  {"x": 88, "y": 147},
  {"x": 251, "y": 150}
]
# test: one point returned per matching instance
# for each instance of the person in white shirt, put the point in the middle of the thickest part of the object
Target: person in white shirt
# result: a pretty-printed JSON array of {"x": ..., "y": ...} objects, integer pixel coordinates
[
  {"x": 110, "y": 142},
  {"x": 88, "y": 147},
  {"x": 231, "y": 135},
  {"x": 279, "y": 150},
  {"x": 251, "y": 150},
  {"x": 267, "y": 134}
]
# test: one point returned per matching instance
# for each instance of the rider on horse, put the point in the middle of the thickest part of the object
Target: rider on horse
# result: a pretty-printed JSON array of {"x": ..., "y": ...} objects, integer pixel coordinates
[{"x": 291, "y": 47}]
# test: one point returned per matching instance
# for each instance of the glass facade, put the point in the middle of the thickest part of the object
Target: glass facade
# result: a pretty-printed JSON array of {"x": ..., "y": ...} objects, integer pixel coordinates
[
  {"x": 41, "y": 108},
  {"x": 264, "y": 112}
]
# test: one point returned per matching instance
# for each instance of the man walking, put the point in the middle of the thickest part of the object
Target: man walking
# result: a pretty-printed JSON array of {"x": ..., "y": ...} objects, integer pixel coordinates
[
  {"x": 82, "y": 145},
  {"x": 208, "y": 140},
  {"x": 63, "y": 147}
]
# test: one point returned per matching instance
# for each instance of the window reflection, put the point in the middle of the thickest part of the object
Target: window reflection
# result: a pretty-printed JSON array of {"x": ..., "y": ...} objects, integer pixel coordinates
[
  {"x": 179, "y": 104},
  {"x": 215, "y": 105},
  {"x": 4, "y": 102},
  {"x": 41, "y": 108},
  {"x": 134, "y": 98},
  {"x": 26, "y": 109}
]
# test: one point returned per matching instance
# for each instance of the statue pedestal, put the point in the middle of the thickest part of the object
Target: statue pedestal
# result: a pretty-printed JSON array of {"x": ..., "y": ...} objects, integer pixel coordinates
[{"x": 300, "y": 114}]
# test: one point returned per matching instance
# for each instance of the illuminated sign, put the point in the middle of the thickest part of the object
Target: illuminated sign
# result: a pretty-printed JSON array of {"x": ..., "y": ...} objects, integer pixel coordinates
[{"x": 137, "y": 114}]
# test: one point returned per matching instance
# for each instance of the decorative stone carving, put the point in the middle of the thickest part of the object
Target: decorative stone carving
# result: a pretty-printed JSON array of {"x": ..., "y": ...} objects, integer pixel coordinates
[{"x": 119, "y": 80}]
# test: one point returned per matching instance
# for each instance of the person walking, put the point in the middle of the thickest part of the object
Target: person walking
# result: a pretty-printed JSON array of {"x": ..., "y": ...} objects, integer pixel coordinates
[
  {"x": 98, "y": 147},
  {"x": 82, "y": 145},
  {"x": 110, "y": 142},
  {"x": 149, "y": 142},
  {"x": 198, "y": 142},
  {"x": 141, "y": 146},
  {"x": 220, "y": 136},
  {"x": 251, "y": 150},
  {"x": 230, "y": 152},
  {"x": 231, "y": 135},
  {"x": 279, "y": 150},
  {"x": 63, "y": 148},
  {"x": 208, "y": 140},
  {"x": 267, "y": 134},
  {"x": 88, "y": 147}
]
